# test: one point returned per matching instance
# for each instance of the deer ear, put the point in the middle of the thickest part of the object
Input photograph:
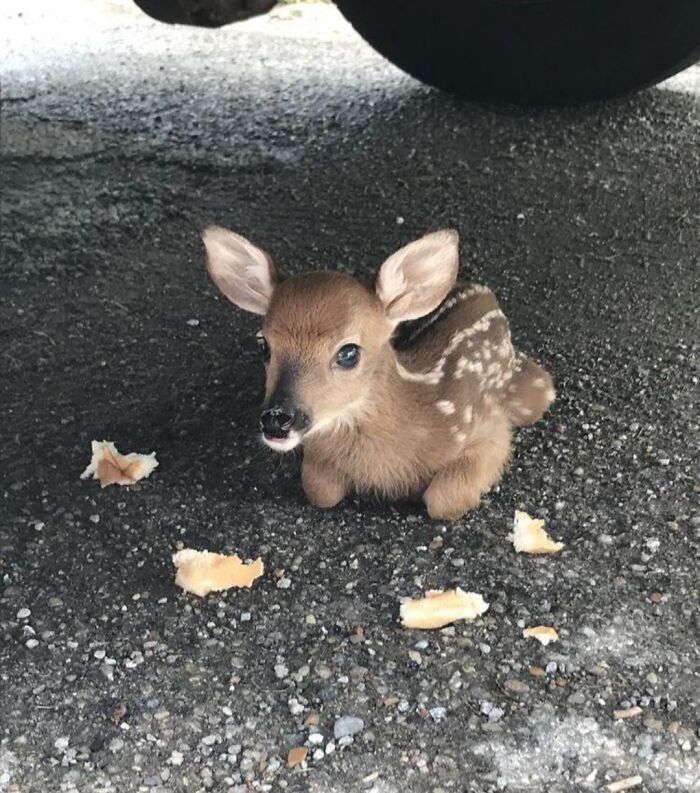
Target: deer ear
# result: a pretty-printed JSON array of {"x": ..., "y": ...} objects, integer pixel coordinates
[
  {"x": 416, "y": 279},
  {"x": 243, "y": 272}
]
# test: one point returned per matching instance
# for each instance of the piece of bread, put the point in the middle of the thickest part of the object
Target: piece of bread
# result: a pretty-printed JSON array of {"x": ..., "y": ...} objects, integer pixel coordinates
[
  {"x": 439, "y": 608},
  {"x": 201, "y": 572},
  {"x": 628, "y": 713},
  {"x": 542, "y": 633},
  {"x": 112, "y": 468},
  {"x": 625, "y": 784},
  {"x": 529, "y": 536}
]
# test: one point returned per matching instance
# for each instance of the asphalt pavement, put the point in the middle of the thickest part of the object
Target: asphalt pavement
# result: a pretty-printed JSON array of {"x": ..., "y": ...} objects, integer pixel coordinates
[{"x": 121, "y": 138}]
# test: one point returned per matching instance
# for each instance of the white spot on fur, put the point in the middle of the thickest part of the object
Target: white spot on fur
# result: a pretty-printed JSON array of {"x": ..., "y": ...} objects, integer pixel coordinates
[
  {"x": 468, "y": 414},
  {"x": 539, "y": 382},
  {"x": 551, "y": 395},
  {"x": 446, "y": 306},
  {"x": 475, "y": 367},
  {"x": 461, "y": 437},
  {"x": 445, "y": 406},
  {"x": 434, "y": 375},
  {"x": 505, "y": 348},
  {"x": 431, "y": 377}
]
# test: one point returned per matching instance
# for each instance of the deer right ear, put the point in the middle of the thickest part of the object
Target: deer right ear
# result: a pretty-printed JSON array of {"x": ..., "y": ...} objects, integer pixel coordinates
[
  {"x": 243, "y": 272},
  {"x": 416, "y": 279}
]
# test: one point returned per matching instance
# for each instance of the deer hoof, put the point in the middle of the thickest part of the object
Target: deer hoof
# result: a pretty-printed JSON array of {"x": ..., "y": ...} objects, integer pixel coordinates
[{"x": 447, "y": 506}]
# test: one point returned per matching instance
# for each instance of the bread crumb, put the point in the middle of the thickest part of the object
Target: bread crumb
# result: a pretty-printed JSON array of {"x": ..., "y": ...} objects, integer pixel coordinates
[
  {"x": 624, "y": 784},
  {"x": 201, "y": 572},
  {"x": 627, "y": 713},
  {"x": 113, "y": 468},
  {"x": 297, "y": 755},
  {"x": 542, "y": 633},
  {"x": 439, "y": 608},
  {"x": 529, "y": 536}
]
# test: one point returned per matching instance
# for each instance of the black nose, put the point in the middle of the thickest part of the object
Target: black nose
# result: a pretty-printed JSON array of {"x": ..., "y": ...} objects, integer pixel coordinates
[{"x": 276, "y": 422}]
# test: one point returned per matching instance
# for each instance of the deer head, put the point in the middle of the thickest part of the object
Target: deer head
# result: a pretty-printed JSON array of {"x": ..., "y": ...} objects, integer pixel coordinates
[{"x": 326, "y": 335}]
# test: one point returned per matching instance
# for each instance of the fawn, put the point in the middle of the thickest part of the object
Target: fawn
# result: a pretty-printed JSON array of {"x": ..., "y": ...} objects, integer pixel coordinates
[{"x": 409, "y": 388}]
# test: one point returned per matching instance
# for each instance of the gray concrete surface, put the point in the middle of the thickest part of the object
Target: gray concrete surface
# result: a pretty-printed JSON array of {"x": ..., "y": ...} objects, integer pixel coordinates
[{"x": 120, "y": 140}]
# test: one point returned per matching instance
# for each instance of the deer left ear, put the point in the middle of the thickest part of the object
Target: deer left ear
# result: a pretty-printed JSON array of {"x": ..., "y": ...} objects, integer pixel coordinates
[{"x": 416, "y": 279}]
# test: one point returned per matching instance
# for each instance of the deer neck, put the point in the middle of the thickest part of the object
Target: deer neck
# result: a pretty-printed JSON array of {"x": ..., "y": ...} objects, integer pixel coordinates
[{"x": 389, "y": 411}]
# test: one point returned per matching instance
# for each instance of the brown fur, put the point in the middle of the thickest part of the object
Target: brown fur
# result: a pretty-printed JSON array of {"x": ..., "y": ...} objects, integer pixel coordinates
[{"x": 431, "y": 416}]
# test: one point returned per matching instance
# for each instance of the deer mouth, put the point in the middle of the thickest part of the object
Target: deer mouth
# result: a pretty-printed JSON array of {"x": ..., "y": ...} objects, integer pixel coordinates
[{"x": 282, "y": 444}]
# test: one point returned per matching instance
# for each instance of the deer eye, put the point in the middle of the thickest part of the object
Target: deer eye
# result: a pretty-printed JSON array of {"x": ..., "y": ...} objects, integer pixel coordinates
[
  {"x": 348, "y": 356},
  {"x": 263, "y": 346}
]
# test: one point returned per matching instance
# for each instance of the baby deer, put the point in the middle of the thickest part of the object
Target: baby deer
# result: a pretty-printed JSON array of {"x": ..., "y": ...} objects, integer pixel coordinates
[{"x": 424, "y": 407}]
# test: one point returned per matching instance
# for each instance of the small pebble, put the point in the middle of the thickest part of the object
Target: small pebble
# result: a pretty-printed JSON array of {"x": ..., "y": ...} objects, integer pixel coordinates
[
  {"x": 347, "y": 726},
  {"x": 24, "y": 614},
  {"x": 438, "y": 714},
  {"x": 116, "y": 745},
  {"x": 295, "y": 707},
  {"x": 516, "y": 686}
]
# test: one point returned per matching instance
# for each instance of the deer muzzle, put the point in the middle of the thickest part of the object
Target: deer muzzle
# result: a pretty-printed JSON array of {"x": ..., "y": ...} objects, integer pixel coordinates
[{"x": 282, "y": 426}]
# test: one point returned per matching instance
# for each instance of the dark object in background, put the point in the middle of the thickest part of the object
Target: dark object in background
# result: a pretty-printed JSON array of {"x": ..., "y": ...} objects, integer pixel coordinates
[
  {"x": 533, "y": 51},
  {"x": 204, "y": 13},
  {"x": 525, "y": 51}
]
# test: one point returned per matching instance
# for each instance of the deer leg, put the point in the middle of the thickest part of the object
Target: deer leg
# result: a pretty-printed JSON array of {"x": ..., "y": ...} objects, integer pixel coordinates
[
  {"x": 324, "y": 487},
  {"x": 457, "y": 488}
]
